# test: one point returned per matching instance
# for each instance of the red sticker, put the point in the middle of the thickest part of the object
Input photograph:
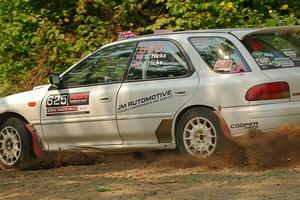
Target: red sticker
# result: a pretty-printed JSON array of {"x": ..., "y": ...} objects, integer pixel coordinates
[
  {"x": 79, "y": 96},
  {"x": 255, "y": 46}
]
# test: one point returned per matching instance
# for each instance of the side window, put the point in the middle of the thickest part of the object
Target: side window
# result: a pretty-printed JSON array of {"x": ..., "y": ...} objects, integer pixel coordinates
[
  {"x": 105, "y": 66},
  {"x": 220, "y": 54},
  {"x": 156, "y": 60}
]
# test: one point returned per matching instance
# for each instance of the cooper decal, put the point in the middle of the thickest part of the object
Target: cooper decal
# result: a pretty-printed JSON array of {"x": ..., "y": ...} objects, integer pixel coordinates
[
  {"x": 247, "y": 125},
  {"x": 144, "y": 101},
  {"x": 66, "y": 104}
]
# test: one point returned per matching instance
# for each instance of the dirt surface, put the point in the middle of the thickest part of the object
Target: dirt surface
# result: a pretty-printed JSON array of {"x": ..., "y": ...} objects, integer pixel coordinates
[{"x": 256, "y": 166}]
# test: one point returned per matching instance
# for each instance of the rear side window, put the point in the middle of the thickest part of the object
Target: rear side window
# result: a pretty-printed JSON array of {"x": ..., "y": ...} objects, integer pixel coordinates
[
  {"x": 220, "y": 54},
  {"x": 157, "y": 60},
  {"x": 274, "y": 51}
]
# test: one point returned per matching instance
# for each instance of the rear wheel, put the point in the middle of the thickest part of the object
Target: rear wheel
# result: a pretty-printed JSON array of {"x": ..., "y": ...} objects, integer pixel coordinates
[
  {"x": 14, "y": 143},
  {"x": 199, "y": 133}
]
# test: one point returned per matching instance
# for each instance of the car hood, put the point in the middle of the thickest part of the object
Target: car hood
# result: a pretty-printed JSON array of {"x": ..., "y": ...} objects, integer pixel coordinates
[{"x": 37, "y": 94}]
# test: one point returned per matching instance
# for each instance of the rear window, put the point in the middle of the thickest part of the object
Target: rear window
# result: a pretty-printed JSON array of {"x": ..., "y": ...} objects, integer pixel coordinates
[{"x": 274, "y": 51}]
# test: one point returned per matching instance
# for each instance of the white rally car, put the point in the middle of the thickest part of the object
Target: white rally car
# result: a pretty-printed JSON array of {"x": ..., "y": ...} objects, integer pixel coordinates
[{"x": 185, "y": 90}]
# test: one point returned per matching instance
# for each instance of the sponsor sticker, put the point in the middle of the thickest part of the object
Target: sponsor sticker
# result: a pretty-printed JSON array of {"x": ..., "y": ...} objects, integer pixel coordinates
[
  {"x": 268, "y": 55},
  {"x": 223, "y": 65},
  {"x": 295, "y": 58},
  {"x": 246, "y": 125},
  {"x": 144, "y": 101},
  {"x": 66, "y": 104},
  {"x": 263, "y": 61},
  {"x": 79, "y": 99},
  {"x": 149, "y": 54},
  {"x": 283, "y": 62},
  {"x": 257, "y": 54},
  {"x": 289, "y": 52}
]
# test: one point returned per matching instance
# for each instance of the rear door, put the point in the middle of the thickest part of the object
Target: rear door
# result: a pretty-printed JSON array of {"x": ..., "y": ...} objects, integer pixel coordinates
[
  {"x": 278, "y": 55},
  {"x": 159, "y": 82}
]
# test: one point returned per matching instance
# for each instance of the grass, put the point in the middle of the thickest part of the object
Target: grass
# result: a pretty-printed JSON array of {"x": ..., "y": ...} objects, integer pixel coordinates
[
  {"x": 190, "y": 179},
  {"x": 103, "y": 189}
]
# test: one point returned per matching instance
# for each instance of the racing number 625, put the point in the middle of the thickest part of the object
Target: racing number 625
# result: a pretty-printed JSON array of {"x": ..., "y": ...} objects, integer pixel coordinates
[{"x": 57, "y": 100}]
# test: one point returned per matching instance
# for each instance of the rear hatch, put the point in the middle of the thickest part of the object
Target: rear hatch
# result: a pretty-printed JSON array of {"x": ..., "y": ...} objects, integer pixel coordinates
[{"x": 277, "y": 52}]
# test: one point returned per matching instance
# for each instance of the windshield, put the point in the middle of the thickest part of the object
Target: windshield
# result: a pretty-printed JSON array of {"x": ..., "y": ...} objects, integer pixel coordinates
[{"x": 274, "y": 51}]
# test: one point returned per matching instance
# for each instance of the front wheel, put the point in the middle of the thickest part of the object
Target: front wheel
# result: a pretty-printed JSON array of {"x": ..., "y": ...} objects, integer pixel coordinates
[
  {"x": 14, "y": 143},
  {"x": 199, "y": 133}
]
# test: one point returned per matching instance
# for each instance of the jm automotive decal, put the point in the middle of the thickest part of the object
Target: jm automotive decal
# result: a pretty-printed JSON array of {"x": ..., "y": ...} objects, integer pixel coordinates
[
  {"x": 67, "y": 104},
  {"x": 155, "y": 98}
]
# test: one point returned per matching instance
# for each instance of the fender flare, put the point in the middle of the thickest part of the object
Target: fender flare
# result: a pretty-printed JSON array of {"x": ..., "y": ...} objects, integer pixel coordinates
[{"x": 224, "y": 127}]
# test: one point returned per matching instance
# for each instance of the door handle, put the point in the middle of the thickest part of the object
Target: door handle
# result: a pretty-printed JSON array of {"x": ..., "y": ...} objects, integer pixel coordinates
[
  {"x": 181, "y": 93},
  {"x": 105, "y": 99}
]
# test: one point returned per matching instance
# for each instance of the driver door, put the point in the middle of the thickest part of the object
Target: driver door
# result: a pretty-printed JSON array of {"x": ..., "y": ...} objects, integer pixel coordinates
[{"x": 81, "y": 113}]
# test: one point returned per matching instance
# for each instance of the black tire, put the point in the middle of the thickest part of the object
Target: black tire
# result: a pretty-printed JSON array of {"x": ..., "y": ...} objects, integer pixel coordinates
[
  {"x": 22, "y": 150},
  {"x": 207, "y": 117}
]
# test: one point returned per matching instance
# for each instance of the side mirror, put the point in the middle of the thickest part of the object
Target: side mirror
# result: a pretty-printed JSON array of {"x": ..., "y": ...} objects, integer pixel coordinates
[{"x": 54, "y": 79}]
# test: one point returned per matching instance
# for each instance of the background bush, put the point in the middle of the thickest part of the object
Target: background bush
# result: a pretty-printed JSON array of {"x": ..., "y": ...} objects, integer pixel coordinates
[{"x": 38, "y": 37}]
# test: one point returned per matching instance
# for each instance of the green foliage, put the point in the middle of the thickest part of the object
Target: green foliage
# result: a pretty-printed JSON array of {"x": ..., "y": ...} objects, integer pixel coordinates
[
  {"x": 199, "y": 14},
  {"x": 103, "y": 189},
  {"x": 38, "y": 37}
]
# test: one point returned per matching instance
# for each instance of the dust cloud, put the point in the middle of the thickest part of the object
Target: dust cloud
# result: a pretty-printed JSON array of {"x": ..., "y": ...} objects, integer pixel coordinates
[
  {"x": 279, "y": 148},
  {"x": 275, "y": 149}
]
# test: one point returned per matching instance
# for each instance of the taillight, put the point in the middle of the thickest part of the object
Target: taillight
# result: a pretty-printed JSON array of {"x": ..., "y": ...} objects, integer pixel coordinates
[{"x": 268, "y": 91}]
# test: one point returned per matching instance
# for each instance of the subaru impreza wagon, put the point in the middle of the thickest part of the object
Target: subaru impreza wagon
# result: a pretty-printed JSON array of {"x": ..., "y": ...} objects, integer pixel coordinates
[{"x": 180, "y": 90}]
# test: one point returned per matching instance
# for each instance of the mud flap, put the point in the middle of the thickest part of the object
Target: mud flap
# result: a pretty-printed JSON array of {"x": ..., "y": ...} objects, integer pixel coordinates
[
  {"x": 35, "y": 142},
  {"x": 223, "y": 124}
]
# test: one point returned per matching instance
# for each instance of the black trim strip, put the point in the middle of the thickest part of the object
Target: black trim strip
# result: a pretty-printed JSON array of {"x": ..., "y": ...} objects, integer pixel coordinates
[{"x": 73, "y": 113}]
